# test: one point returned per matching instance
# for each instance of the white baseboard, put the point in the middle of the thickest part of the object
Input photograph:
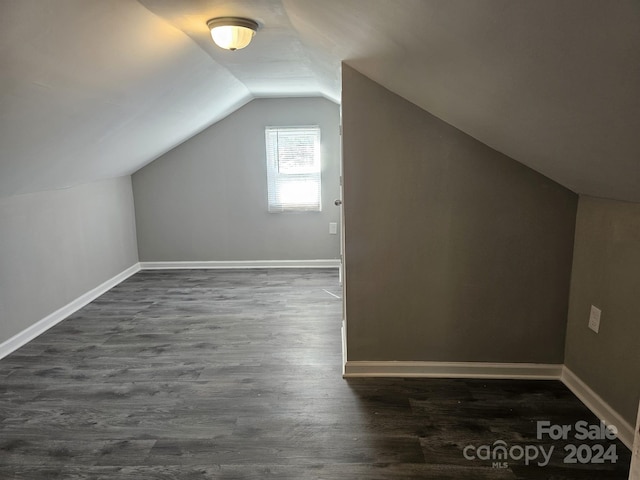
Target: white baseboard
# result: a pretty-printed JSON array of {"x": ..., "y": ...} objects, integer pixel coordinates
[
  {"x": 538, "y": 371},
  {"x": 635, "y": 459},
  {"x": 41, "y": 326},
  {"x": 598, "y": 406},
  {"x": 232, "y": 264}
]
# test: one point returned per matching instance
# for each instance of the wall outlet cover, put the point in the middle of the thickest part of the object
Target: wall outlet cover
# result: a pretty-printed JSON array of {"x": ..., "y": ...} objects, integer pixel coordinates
[{"x": 594, "y": 319}]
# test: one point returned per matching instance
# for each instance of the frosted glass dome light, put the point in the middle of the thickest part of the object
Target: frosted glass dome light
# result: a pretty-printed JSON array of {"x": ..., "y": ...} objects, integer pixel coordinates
[{"x": 232, "y": 33}]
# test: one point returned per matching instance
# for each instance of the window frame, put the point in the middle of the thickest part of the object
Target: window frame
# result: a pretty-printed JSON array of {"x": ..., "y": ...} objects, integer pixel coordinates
[{"x": 276, "y": 179}]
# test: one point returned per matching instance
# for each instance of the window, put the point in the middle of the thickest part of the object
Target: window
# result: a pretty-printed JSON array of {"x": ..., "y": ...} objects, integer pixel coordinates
[{"x": 293, "y": 168}]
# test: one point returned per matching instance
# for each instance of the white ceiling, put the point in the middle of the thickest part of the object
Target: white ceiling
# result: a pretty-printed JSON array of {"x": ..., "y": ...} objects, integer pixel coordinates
[{"x": 92, "y": 89}]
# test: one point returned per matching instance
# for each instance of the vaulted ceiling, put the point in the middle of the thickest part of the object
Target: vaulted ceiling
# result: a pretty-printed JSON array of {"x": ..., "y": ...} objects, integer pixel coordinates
[{"x": 92, "y": 89}]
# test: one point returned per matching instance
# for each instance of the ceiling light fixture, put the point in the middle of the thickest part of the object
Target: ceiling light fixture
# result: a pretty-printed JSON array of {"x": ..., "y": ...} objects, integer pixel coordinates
[{"x": 232, "y": 33}]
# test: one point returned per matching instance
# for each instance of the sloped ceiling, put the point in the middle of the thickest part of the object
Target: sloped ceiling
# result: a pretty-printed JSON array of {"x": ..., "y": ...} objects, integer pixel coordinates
[{"x": 93, "y": 89}]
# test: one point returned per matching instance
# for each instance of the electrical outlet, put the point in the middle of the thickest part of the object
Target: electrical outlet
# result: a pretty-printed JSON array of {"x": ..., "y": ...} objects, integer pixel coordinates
[
  {"x": 594, "y": 319},
  {"x": 333, "y": 228}
]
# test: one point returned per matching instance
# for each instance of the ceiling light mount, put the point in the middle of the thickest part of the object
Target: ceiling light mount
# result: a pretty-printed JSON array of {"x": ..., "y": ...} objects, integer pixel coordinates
[{"x": 232, "y": 33}]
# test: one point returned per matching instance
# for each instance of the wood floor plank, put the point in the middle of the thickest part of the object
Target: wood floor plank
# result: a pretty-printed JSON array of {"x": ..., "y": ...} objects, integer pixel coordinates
[{"x": 209, "y": 374}]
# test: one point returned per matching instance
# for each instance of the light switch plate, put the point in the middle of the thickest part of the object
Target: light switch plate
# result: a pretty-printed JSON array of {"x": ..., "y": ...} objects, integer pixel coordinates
[
  {"x": 333, "y": 228},
  {"x": 594, "y": 319}
]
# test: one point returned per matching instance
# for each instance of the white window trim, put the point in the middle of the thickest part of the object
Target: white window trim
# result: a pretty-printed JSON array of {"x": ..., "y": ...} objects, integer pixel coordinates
[{"x": 278, "y": 181}]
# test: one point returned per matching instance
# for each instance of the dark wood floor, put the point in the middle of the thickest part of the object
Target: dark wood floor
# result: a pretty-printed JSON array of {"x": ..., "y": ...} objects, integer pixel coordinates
[{"x": 236, "y": 375}]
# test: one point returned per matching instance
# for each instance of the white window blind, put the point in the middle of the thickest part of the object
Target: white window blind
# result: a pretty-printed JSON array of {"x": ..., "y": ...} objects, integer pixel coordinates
[{"x": 293, "y": 169}]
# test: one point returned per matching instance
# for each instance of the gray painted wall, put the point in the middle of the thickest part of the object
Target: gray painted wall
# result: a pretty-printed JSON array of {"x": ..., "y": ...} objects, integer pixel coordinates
[
  {"x": 58, "y": 245},
  {"x": 454, "y": 252},
  {"x": 606, "y": 273},
  {"x": 207, "y": 198}
]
